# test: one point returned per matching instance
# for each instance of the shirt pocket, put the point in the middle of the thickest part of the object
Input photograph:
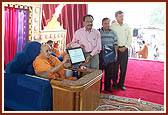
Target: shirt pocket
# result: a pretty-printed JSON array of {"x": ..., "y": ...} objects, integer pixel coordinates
[
  {"x": 126, "y": 32},
  {"x": 92, "y": 41}
]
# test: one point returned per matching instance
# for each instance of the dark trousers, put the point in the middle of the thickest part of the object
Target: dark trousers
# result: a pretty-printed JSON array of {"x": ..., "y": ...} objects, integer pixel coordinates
[
  {"x": 109, "y": 73},
  {"x": 122, "y": 61}
]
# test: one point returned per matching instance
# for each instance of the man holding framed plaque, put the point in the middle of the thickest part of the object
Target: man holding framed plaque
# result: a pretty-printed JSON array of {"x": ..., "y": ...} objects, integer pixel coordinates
[{"x": 89, "y": 40}]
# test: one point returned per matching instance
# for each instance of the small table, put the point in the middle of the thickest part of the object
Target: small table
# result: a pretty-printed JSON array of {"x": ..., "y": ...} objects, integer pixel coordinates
[{"x": 80, "y": 95}]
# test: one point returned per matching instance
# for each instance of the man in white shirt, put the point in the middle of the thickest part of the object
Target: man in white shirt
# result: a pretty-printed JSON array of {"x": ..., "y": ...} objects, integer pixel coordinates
[{"x": 124, "y": 36}]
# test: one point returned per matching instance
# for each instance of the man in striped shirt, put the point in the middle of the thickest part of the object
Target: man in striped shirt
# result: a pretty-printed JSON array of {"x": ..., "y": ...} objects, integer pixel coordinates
[{"x": 109, "y": 38}]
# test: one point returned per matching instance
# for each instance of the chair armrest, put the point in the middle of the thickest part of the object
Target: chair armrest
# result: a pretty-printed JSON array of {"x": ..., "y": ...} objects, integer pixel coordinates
[
  {"x": 34, "y": 76},
  {"x": 33, "y": 82},
  {"x": 27, "y": 92},
  {"x": 28, "y": 81}
]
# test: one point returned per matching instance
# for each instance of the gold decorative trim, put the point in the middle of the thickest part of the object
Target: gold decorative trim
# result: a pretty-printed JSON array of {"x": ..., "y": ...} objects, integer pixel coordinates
[
  {"x": 59, "y": 88},
  {"x": 30, "y": 22}
]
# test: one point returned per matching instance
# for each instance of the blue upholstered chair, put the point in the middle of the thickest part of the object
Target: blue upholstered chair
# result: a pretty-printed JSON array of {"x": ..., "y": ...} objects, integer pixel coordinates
[{"x": 23, "y": 91}]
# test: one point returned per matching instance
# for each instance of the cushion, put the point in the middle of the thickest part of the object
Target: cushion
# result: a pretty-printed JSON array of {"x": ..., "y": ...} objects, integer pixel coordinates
[
  {"x": 32, "y": 50},
  {"x": 22, "y": 62},
  {"x": 30, "y": 70},
  {"x": 17, "y": 65}
]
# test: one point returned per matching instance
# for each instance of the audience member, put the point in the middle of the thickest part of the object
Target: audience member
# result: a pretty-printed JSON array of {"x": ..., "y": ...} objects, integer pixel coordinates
[
  {"x": 156, "y": 54},
  {"x": 53, "y": 50},
  {"x": 144, "y": 51}
]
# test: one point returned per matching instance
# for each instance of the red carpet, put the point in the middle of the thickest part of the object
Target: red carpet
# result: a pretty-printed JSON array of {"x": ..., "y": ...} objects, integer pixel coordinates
[{"x": 144, "y": 80}]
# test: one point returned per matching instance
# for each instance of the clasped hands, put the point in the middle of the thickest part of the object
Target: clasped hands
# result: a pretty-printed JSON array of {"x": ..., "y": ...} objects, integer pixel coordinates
[{"x": 122, "y": 49}]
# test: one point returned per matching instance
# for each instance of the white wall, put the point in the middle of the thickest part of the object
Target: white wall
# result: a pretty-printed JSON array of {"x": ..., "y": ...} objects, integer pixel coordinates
[{"x": 135, "y": 13}]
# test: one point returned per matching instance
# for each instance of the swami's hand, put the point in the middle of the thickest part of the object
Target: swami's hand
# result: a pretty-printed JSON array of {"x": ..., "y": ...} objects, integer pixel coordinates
[
  {"x": 66, "y": 58},
  {"x": 67, "y": 65}
]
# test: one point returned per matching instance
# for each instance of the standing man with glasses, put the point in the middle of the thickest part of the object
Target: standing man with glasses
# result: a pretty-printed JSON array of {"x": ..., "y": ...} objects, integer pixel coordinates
[
  {"x": 124, "y": 36},
  {"x": 90, "y": 40}
]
